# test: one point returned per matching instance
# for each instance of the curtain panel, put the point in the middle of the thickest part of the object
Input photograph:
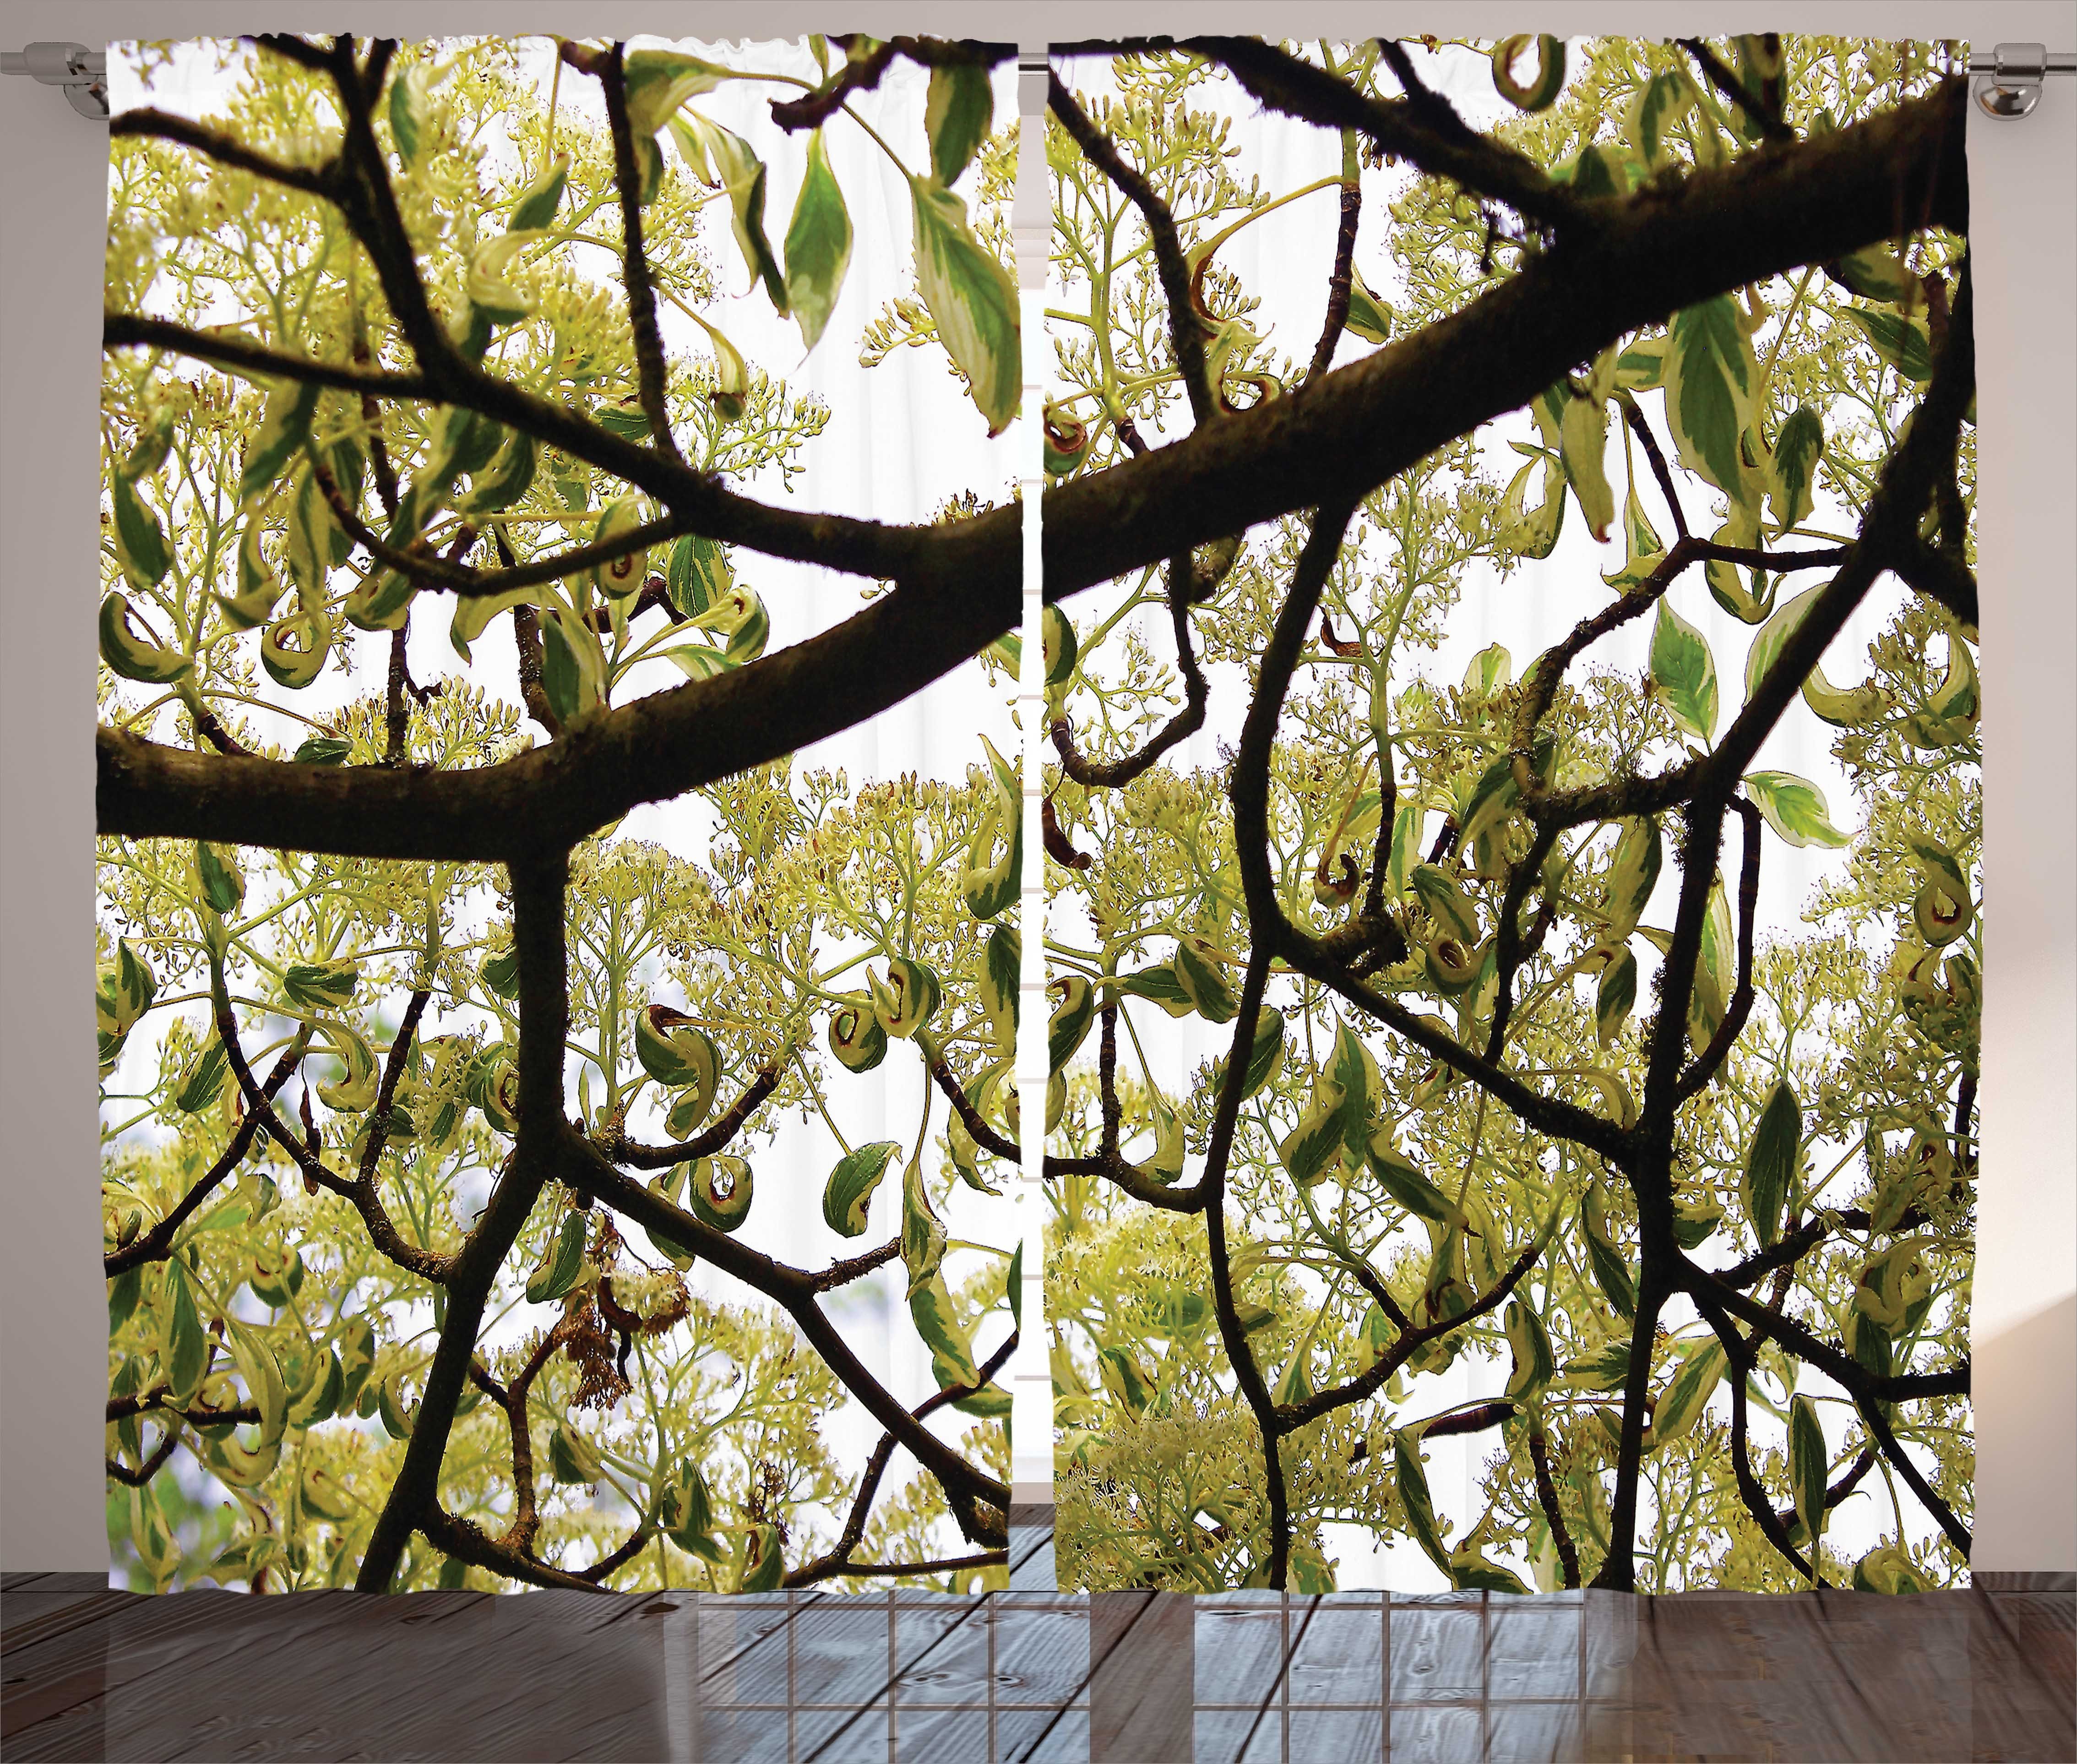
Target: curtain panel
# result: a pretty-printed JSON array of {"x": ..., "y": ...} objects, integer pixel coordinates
[
  {"x": 555, "y": 1091},
  {"x": 1506, "y": 712},
  {"x": 1514, "y": 868}
]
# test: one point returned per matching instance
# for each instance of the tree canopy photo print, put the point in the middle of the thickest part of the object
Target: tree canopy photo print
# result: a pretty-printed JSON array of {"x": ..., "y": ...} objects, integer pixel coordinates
[
  {"x": 1500, "y": 746},
  {"x": 1514, "y": 830},
  {"x": 505, "y": 1182}
]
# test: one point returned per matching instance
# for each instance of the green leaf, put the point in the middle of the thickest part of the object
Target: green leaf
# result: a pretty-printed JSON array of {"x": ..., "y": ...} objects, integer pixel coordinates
[
  {"x": 1449, "y": 909},
  {"x": 698, "y": 577},
  {"x": 202, "y": 1082},
  {"x": 1615, "y": 997},
  {"x": 1582, "y": 447},
  {"x": 1792, "y": 473},
  {"x": 817, "y": 244},
  {"x": 1905, "y": 344},
  {"x": 1265, "y": 1056},
  {"x": 762, "y": 1567},
  {"x": 558, "y": 1272},
  {"x": 1369, "y": 318},
  {"x": 989, "y": 884},
  {"x": 956, "y": 115},
  {"x": 972, "y": 300},
  {"x": 931, "y": 1309},
  {"x": 1874, "y": 272},
  {"x": 923, "y": 1238},
  {"x": 1771, "y": 638},
  {"x": 719, "y": 1191},
  {"x": 1201, "y": 974},
  {"x": 1069, "y": 1025},
  {"x": 124, "y": 1290},
  {"x": 185, "y": 1352},
  {"x": 1314, "y": 1148},
  {"x": 140, "y": 542},
  {"x": 284, "y": 431},
  {"x": 1160, "y": 985},
  {"x": 1534, "y": 533},
  {"x": 572, "y": 1457},
  {"x": 262, "y": 1373},
  {"x": 675, "y": 1051},
  {"x": 1643, "y": 551},
  {"x": 1794, "y": 807},
  {"x": 1124, "y": 1377},
  {"x": 1540, "y": 92},
  {"x": 410, "y": 97},
  {"x": 1711, "y": 377},
  {"x": 731, "y": 373},
  {"x": 1680, "y": 1405},
  {"x": 1413, "y": 1495},
  {"x": 294, "y": 651},
  {"x": 1060, "y": 647},
  {"x": 856, "y": 1037},
  {"x": 1610, "y": 1270},
  {"x": 1406, "y": 1184},
  {"x": 320, "y": 986},
  {"x": 723, "y": 161},
  {"x": 1001, "y": 977},
  {"x": 1808, "y": 1465},
  {"x": 1772, "y": 1162},
  {"x": 540, "y": 199},
  {"x": 572, "y": 664},
  {"x": 1684, "y": 672},
  {"x": 908, "y": 998},
  {"x": 133, "y": 655},
  {"x": 1661, "y": 102},
  {"x": 848, "y": 1194}
]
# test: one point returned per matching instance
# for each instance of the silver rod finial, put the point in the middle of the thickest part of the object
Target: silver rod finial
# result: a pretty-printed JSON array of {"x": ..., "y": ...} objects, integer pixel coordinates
[
  {"x": 2008, "y": 81},
  {"x": 82, "y": 72}
]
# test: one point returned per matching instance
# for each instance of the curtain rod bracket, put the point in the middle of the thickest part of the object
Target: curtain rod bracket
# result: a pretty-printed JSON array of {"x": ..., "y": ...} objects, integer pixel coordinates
[
  {"x": 2007, "y": 83},
  {"x": 82, "y": 73}
]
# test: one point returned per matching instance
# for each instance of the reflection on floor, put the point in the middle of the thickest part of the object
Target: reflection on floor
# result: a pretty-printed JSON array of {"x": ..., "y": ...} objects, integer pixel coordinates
[{"x": 1031, "y": 1674}]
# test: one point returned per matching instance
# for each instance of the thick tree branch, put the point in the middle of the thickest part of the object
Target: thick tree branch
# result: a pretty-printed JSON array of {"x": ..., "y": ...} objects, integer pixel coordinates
[
  {"x": 658, "y": 748},
  {"x": 1662, "y": 248},
  {"x": 539, "y": 938}
]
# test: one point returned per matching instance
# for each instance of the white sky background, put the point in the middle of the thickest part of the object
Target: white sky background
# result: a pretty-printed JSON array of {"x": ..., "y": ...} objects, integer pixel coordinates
[
  {"x": 901, "y": 437},
  {"x": 1285, "y": 259}
]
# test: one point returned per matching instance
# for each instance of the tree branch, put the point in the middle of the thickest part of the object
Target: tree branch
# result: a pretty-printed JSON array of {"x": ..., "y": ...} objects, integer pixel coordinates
[
  {"x": 147, "y": 123},
  {"x": 634, "y": 262},
  {"x": 1662, "y": 248},
  {"x": 623, "y": 1150},
  {"x": 539, "y": 938},
  {"x": 1185, "y": 333}
]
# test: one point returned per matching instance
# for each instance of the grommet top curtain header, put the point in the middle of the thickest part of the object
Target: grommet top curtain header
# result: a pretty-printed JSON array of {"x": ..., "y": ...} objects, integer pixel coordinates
[
  {"x": 1514, "y": 856},
  {"x": 558, "y": 975}
]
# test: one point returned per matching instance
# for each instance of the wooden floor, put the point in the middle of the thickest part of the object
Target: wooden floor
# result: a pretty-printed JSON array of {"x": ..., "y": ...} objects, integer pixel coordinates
[{"x": 1034, "y": 1675}]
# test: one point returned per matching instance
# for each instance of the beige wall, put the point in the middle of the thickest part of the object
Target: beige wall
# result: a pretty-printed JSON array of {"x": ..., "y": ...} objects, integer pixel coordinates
[{"x": 2024, "y": 230}]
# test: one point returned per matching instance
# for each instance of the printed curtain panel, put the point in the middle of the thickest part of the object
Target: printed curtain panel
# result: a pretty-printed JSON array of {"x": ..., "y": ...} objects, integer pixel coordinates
[
  {"x": 556, "y": 996},
  {"x": 1516, "y": 829}
]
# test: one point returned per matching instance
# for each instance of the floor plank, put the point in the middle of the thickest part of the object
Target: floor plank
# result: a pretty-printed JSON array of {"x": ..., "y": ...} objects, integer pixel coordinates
[{"x": 1037, "y": 1676}]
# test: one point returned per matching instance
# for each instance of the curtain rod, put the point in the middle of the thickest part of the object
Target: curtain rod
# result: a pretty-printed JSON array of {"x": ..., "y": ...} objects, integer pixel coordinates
[{"x": 2008, "y": 80}]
